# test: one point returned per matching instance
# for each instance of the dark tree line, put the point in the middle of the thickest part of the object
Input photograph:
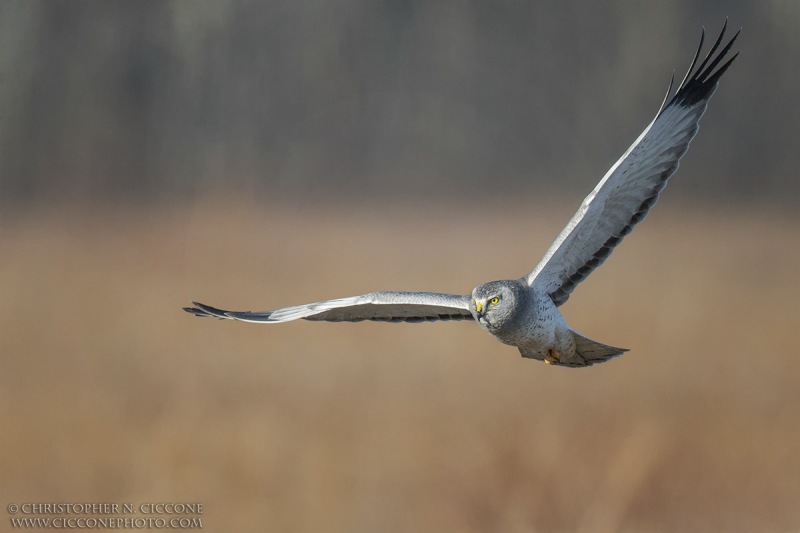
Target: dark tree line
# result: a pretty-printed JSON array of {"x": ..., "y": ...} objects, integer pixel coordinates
[{"x": 147, "y": 99}]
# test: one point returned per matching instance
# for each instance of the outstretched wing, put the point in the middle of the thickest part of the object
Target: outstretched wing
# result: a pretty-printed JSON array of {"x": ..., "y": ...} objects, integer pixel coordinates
[
  {"x": 632, "y": 185},
  {"x": 388, "y": 306}
]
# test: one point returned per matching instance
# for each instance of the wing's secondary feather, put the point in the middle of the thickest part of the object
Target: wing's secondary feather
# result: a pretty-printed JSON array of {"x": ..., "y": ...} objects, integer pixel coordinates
[
  {"x": 631, "y": 187},
  {"x": 387, "y": 306}
]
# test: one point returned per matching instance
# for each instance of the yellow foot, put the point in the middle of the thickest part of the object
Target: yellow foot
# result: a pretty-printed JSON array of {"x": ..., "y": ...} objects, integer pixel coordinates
[{"x": 552, "y": 357}]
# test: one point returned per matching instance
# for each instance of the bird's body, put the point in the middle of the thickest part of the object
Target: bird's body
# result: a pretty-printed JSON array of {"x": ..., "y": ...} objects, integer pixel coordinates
[
  {"x": 524, "y": 312},
  {"x": 526, "y": 317}
]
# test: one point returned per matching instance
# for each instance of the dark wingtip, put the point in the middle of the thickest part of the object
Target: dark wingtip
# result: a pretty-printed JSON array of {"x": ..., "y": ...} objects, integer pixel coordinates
[
  {"x": 699, "y": 83},
  {"x": 195, "y": 311},
  {"x": 205, "y": 310}
]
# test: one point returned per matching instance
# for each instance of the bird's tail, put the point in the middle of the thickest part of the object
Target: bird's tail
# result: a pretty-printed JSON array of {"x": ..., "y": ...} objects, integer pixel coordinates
[{"x": 594, "y": 352}]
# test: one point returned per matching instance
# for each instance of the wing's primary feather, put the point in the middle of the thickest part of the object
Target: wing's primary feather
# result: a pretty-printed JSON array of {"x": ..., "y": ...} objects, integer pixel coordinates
[
  {"x": 631, "y": 187},
  {"x": 387, "y": 306}
]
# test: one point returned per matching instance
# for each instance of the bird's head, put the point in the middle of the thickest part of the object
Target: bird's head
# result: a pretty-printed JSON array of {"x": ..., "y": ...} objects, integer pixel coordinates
[{"x": 495, "y": 303}]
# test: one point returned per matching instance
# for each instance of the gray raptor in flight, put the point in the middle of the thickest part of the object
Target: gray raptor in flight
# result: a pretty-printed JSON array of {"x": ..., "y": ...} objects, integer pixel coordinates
[{"x": 524, "y": 312}]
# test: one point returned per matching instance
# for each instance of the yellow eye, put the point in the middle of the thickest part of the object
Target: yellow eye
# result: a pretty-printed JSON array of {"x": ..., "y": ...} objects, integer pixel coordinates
[{"x": 494, "y": 301}]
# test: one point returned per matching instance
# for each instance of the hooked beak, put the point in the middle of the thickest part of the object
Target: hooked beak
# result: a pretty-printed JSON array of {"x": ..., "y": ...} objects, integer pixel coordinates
[{"x": 478, "y": 307}]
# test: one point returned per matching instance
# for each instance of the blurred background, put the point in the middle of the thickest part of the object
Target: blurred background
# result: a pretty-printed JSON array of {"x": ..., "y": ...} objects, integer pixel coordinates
[{"x": 262, "y": 154}]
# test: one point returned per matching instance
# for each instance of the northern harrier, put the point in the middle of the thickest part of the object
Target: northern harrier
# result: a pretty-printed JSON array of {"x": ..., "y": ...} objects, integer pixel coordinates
[{"x": 524, "y": 312}]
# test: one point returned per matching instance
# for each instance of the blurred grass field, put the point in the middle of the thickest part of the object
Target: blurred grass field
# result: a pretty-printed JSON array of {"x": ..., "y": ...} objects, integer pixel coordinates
[{"x": 109, "y": 392}]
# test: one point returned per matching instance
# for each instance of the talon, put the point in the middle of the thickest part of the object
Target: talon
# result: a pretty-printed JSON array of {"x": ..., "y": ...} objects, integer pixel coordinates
[{"x": 552, "y": 357}]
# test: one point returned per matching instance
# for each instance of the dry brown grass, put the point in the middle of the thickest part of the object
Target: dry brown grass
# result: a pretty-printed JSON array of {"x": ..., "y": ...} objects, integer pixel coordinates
[{"x": 108, "y": 392}]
